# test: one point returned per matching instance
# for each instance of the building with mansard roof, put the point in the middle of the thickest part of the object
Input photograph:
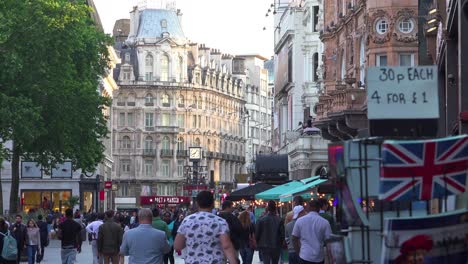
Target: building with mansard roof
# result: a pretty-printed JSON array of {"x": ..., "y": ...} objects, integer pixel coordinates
[{"x": 173, "y": 95}]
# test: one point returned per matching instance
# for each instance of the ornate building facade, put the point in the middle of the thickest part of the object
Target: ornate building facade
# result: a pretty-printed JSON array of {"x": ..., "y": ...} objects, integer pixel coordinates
[
  {"x": 173, "y": 95},
  {"x": 359, "y": 34}
]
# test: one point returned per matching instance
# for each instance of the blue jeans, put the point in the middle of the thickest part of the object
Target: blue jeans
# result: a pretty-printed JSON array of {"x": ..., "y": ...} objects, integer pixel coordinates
[
  {"x": 32, "y": 249},
  {"x": 68, "y": 255},
  {"x": 246, "y": 255},
  {"x": 293, "y": 258}
]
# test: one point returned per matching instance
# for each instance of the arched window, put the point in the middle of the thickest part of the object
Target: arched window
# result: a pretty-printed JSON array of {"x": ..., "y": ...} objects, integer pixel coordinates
[
  {"x": 120, "y": 100},
  {"x": 149, "y": 99},
  {"x": 315, "y": 61},
  {"x": 235, "y": 150},
  {"x": 126, "y": 143},
  {"x": 166, "y": 143},
  {"x": 197, "y": 142},
  {"x": 149, "y": 68},
  {"x": 195, "y": 102},
  {"x": 230, "y": 148},
  {"x": 343, "y": 65},
  {"x": 164, "y": 68},
  {"x": 208, "y": 144},
  {"x": 225, "y": 147},
  {"x": 180, "y": 144},
  {"x": 180, "y": 69},
  {"x": 214, "y": 146},
  {"x": 181, "y": 101},
  {"x": 148, "y": 143},
  {"x": 166, "y": 100},
  {"x": 362, "y": 61}
]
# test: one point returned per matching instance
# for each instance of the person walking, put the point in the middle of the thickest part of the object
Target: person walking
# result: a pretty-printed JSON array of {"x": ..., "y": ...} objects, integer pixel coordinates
[
  {"x": 159, "y": 224},
  {"x": 175, "y": 228},
  {"x": 309, "y": 235},
  {"x": 33, "y": 241},
  {"x": 144, "y": 244},
  {"x": 270, "y": 235},
  {"x": 93, "y": 229},
  {"x": 298, "y": 211},
  {"x": 205, "y": 235},
  {"x": 248, "y": 232},
  {"x": 109, "y": 239},
  {"x": 44, "y": 231},
  {"x": 169, "y": 257},
  {"x": 18, "y": 230},
  {"x": 69, "y": 232},
  {"x": 235, "y": 226},
  {"x": 323, "y": 212},
  {"x": 3, "y": 233}
]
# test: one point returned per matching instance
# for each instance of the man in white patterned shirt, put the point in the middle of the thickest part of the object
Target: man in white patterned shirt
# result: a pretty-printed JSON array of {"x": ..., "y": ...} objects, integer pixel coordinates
[
  {"x": 205, "y": 235},
  {"x": 93, "y": 229}
]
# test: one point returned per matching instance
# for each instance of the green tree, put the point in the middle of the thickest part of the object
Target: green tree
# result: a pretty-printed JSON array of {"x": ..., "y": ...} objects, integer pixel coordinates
[{"x": 51, "y": 59}]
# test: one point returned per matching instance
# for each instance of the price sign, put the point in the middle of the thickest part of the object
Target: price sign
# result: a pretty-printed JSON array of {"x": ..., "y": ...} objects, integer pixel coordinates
[{"x": 402, "y": 93}]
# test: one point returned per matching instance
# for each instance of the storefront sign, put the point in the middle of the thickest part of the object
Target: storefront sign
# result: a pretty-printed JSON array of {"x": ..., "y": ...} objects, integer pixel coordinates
[
  {"x": 172, "y": 200},
  {"x": 402, "y": 93},
  {"x": 108, "y": 184}
]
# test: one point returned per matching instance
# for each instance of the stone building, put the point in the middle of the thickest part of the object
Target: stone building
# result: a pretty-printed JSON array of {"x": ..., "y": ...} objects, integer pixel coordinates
[
  {"x": 173, "y": 95},
  {"x": 358, "y": 34}
]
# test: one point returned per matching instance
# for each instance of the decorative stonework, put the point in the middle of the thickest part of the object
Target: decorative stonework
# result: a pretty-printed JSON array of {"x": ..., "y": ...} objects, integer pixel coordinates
[
  {"x": 406, "y": 37},
  {"x": 374, "y": 35}
]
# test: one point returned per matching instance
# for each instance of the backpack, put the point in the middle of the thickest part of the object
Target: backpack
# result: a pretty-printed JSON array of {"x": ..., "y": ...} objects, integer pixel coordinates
[{"x": 9, "y": 250}]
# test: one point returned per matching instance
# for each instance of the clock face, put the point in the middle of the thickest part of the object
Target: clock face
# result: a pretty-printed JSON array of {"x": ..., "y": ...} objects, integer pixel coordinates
[{"x": 195, "y": 153}]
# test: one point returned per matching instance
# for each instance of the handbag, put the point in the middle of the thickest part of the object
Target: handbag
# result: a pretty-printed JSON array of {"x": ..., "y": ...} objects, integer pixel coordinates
[{"x": 252, "y": 240}]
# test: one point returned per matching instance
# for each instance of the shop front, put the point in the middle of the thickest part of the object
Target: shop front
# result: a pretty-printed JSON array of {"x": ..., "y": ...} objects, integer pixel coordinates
[
  {"x": 45, "y": 199},
  {"x": 164, "y": 201}
]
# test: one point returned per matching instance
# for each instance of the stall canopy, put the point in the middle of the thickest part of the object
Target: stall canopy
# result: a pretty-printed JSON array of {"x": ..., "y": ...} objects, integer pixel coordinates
[
  {"x": 248, "y": 193},
  {"x": 301, "y": 190},
  {"x": 274, "y": 193}
]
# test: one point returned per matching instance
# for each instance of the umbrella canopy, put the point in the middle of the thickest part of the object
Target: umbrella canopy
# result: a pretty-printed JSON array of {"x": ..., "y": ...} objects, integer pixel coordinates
[{"x": 248, "y": 193}]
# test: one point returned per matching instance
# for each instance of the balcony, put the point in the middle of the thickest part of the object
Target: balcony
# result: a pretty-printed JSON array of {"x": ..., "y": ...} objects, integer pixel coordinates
[
  {"x": 149, "y": 152},
  {"x": 167, "y": 129},
  {"x": 167, "y": 153},
  {"x": 182, "y": 153}
]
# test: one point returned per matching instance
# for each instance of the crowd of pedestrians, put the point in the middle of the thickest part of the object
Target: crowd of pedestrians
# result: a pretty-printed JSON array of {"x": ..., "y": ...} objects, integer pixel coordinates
[{"x": 155, "y": 236}]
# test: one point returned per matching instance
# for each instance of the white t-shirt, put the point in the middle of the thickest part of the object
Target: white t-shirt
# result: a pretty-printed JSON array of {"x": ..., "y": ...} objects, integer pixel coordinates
[
  {"x": 202, "y": 231},
  {"x": 312, "y": 230}
]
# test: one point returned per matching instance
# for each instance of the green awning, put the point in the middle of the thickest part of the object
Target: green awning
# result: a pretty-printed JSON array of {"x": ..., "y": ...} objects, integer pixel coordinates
[
  {"x": 301, "y": 190},
  {"x": 274, "y": 193}
]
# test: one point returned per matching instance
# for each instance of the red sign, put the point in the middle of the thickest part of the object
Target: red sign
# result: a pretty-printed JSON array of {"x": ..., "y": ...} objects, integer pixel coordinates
[
  {"x": 101, "y": 195},
  {"x": 108, "y": 184},
  {"x": 172, "y": 200}
]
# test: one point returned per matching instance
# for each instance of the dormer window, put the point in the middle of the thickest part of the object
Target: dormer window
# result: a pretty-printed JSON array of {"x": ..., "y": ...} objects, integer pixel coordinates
[{"x": 164, "y": 24}]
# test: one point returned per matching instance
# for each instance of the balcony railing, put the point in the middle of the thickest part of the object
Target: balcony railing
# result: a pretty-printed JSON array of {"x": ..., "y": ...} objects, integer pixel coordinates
[
  {"x": 182, "y": 153},
  {"x": 149, "y": 152},
  {"x": 167, "y": 152},
  {"x": 340, "y": 100}
]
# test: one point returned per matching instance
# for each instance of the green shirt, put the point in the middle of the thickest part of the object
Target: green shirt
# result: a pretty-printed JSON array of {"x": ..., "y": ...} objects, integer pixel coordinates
[
  {"x": 159, "y": 224},
  {"x": 330, "y": 220}
]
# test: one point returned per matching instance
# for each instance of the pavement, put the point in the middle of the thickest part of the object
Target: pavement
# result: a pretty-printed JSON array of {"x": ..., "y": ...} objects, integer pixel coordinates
[{"x": 52, "y": 254}]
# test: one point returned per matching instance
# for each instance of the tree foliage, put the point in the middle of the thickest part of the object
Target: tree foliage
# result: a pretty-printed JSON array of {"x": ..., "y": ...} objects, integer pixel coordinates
[{"x": 51, "y": 59}]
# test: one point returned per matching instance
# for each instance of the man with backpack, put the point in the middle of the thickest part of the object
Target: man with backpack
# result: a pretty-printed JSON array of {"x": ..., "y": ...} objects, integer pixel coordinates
[
  {"x": 18, "y": 230},
  {"x": 43, "y": 231}
]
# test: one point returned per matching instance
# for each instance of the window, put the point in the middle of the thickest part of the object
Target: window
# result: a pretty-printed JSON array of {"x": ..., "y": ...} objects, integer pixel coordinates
[
  {"x": 166, "y": 119},
  {"x": 166, "y": 167},
  {"x": 126, "y": 74},
  {"x": 343, "y": 65},
  {"x": 406, "y": 60},
  {"x": 181, "y": 121},
  {"x": 120, "y": 100},
  {"x": 195, "y": 102},
  {"x": 181, "y": 69},
  {"x": 166, "y": 143},
  {"x": 200, "y": 100},
  {"x": 148, "y": 168},
  {"x": 121, "y": 119},
  {"x": 194, "y": 119},
  {"x": 126, "y": 143},
  {"x": 362, "y": 61},
  {"x": 149, "y": 68},
  {"x": 130, "y": 120},
  {"x": 148, "y": 144},
  {"x": 315, "y": 61},
  {"x": 406, "y": 25},
  {"x": 149, "y": 99},
  {"x": 197, "y": 142},
  {"x": 164, "y": 68},
  {"x": 180, "y": 168},
  {"x": 181, "y": 101},
  {"x": 381, "y": 26},
  {"x": 164, "y": 24},
  {"x": 180, "y": 144},
  {"x": 381, "y": 60},
  {"x": 199, "y": 120},
  {"x": 125, "y": 165},
  {"x": 166, "y": 100},
  {"x": 149, "y": 120},
  {"x": 316, "y": 18}
]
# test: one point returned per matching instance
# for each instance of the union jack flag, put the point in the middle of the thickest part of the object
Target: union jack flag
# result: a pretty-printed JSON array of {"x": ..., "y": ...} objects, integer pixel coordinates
[{"x": 423, "y": 169}]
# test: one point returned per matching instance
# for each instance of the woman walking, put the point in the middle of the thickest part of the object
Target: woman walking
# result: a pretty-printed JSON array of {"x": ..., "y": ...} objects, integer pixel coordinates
[
  {"x": 248, "y": 241},
  {"x": 33, "y": 241}
]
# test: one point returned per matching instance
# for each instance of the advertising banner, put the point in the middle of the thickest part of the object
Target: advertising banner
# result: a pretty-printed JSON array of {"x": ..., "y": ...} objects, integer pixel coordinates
[{"x": 434, "y": 239}]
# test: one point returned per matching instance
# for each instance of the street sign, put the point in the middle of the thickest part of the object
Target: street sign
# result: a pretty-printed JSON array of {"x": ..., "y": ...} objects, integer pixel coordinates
[
  {"x": 108, "y": 184},
  {"x": 402, "y": 93}
]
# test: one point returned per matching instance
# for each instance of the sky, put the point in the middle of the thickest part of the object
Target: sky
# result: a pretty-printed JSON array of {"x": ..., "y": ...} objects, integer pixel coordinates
[{"x": 232, "y": 26}]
